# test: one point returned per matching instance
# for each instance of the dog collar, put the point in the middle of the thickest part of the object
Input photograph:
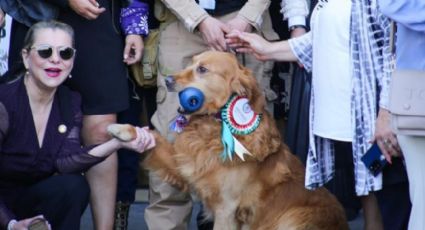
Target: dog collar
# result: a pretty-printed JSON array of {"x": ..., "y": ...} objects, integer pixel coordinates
[{"x": 178, "y": 123}]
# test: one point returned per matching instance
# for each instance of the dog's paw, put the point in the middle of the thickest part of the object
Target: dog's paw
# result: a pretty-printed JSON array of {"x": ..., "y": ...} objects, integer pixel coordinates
[
  {"x": 245, "y": 214},
  {"x": 123, "y": 132}
]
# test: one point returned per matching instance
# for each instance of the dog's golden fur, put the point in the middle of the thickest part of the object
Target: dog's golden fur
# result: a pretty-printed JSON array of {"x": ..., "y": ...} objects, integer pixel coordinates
[{"x": 266, "y": 191}]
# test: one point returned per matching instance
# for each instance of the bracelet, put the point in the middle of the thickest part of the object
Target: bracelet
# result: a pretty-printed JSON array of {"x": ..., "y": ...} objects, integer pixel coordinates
[
  {"x": 11, "y": 224},
  {"x": 291, "y": 28}
]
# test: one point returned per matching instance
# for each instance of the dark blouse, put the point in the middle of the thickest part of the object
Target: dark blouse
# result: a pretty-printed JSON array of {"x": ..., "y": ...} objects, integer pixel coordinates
[{"x": 23, "y": 161}]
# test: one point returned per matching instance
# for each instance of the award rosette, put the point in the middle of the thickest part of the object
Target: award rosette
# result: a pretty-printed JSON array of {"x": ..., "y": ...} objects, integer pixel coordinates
[{"x": 237, "y": 118}]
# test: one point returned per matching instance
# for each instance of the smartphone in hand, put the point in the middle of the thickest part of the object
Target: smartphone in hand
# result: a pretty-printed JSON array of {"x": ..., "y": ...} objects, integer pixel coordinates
[{"x": 374, "y": 159}]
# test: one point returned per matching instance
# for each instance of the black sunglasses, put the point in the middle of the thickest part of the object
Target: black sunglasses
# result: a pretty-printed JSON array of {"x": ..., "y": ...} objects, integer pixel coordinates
[{"x": 46, "y": 51}]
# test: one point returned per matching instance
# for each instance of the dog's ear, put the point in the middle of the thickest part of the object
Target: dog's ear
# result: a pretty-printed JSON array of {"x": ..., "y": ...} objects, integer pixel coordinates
[{"x": 245, "y": 84}]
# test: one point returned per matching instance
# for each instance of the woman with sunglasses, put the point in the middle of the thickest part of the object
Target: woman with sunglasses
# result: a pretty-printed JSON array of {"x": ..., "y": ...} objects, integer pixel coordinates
[{"x": 41, "y": 158}]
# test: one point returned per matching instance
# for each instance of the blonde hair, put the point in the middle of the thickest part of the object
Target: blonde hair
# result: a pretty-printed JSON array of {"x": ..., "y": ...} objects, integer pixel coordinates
[{"x": 54, "y": 25}]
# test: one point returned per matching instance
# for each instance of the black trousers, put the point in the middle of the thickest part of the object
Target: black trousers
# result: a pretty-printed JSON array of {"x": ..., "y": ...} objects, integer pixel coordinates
[
  {"x": 343, "y": 184},
  {"x": 128, "y": 161},
  {"x": 62, "y": 200},
  {"x": 15, "y": 63},
  {"x": 393, "y": 199}
]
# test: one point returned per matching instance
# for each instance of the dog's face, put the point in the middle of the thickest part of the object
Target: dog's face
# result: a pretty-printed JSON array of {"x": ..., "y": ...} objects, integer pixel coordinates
[{"x": 217, "y": 75}]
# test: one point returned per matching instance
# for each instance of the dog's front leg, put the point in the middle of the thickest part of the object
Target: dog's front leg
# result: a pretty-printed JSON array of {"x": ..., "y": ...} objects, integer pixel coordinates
[
  {"x": 224, "y": 217},
  {"x": 161, "y": 161}
]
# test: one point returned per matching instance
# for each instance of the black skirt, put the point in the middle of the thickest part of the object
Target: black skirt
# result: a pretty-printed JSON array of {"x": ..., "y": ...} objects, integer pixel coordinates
[
  {"x": 297, "y": 129},
  {"x": 99, "y": 73}
]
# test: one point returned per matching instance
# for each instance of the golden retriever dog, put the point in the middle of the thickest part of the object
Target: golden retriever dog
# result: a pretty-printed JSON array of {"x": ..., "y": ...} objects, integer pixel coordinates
[{"x": 263, "y": 191}]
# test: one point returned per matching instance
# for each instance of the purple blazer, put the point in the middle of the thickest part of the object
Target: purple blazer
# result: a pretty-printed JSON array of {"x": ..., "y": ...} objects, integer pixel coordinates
[{"x": 23, "y": 162}]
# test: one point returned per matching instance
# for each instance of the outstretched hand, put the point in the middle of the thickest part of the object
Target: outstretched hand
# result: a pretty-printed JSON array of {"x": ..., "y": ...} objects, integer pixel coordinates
[{"x": 244, "y": 42}]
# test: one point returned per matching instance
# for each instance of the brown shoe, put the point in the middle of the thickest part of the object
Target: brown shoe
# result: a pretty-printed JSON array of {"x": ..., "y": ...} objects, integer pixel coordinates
[{"x": 121, "y": 215}]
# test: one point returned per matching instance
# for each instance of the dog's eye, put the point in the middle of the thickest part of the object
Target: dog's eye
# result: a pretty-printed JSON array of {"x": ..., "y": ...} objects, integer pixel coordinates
[{"x": 201, "y": 69}]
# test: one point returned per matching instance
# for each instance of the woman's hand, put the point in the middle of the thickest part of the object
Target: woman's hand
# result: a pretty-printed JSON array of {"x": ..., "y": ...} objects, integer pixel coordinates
[
  {"x": 386, "y": 139},
  {"x": 144, "y": 141},
  {"x": 25, "y": 223},
  {"x": 133, "y": 49},
  {"x": 249, "y": 43}
]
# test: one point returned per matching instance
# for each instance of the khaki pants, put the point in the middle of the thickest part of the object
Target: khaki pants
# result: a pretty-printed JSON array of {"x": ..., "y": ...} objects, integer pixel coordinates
[{"x": 169, "y": 208}]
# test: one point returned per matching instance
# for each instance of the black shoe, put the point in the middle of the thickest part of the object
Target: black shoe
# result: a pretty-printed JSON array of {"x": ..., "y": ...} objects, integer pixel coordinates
[
  {"x": 121, "y": 215},
  {"x": 205, "y": 224},
  {"x": 202, "y": 222}
]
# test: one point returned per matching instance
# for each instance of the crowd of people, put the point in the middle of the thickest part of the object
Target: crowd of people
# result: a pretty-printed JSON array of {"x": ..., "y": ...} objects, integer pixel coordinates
[{"x": 72, "y": 73}]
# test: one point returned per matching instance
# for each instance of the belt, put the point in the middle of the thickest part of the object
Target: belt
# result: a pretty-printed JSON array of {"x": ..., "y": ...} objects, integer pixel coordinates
[{"x": 223, "y": 7}]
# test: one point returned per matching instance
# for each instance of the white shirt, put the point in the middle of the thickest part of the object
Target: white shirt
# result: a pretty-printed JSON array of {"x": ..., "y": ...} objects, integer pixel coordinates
[
  {"x": 369, "y": 50},
  {"x": 332, "y": 74}
]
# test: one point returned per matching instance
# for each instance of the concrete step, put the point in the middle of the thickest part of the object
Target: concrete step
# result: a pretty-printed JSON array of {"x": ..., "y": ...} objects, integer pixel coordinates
[{"x": 136, "y": 220}]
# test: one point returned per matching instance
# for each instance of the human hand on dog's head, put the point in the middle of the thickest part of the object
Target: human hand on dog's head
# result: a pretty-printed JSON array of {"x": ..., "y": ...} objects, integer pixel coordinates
[{"x": 244, "y": 42}]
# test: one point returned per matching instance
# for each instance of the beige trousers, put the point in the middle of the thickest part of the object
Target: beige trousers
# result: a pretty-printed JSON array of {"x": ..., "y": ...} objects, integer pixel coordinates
[
  {"x": 169, "y": 208},
  {"x": 414, "y": 155}
]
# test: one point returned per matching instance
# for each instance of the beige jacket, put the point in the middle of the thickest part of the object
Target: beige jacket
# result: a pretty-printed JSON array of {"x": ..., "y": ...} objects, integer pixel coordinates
[{"x": 191, "y": 14}]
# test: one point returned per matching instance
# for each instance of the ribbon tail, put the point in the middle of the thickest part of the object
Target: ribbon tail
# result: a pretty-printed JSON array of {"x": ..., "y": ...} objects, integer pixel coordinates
[
  {"x": 240, "y": 150},
  {"x": 228, "y": 142}
]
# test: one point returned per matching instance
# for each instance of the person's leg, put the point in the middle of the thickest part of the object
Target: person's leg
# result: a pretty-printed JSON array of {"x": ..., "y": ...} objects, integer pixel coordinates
[
  {"x": 17, "y": 36},
  {"x": 100, "y": 76},
  {"x": 344, "y": 187},
  {"x": 168, "y": 207},
  {"x": 62, "y": 200},
  {"x": 394, "y": 202},
  {"x": 393, "y": 198},
  {"x": 148, "y": 95},
  {"x": 15, "y": 64},
  {"x": 413, "y": 150},
  {"x": 342, "y": 184},
  {"x": 371, "y": 213},
  {"x": 128, "y": 163},
  {"x": 102, "y": 177}
]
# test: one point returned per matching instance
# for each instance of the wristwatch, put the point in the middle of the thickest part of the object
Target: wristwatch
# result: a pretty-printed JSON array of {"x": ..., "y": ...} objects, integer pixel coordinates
[{"x": 291, "y": 28}]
